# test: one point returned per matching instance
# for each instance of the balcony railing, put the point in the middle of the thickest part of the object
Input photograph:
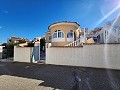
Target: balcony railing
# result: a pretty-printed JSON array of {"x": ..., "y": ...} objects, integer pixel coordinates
[{"x": 76, "y": 43}]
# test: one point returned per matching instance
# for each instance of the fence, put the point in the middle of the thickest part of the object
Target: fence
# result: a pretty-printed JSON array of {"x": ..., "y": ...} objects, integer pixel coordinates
[
  {"x": 23, "y": 54},
  {"x": 99, "y": 56},
  {"x": 1, "y": 50}
]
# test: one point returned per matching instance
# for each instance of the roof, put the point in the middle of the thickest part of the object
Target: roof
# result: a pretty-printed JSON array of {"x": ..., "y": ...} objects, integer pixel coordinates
[
  {"x": 13, "y": 38},
  {"x": 95, "y": 30},
  {"x": 62, "y": 22},
  {"x": 94, "y": 33}
]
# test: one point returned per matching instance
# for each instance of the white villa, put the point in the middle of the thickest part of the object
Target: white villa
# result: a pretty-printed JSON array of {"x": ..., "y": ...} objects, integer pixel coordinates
[{"x": 66, "y": 34}]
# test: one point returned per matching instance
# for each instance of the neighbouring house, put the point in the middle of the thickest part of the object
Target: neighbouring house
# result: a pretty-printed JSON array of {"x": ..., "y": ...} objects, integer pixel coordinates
[
  {"x": 17, "y": 40},
  {"x": 111, "y": 31},
  {"x": 65, "y": 34},
  {"x": 94, "y": 35},
  {"x": 21, "y": 41},
  {"x": 23, "y": 44}
]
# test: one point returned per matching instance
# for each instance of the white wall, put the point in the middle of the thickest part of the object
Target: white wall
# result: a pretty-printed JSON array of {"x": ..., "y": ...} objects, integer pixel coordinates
[
  {"x": 99, "y": 56},
  {"x": 1, "y": 50},
  {"x": 22, "y": 54}
]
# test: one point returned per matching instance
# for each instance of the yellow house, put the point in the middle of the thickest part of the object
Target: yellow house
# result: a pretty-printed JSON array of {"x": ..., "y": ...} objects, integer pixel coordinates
[{"x": 63, "y": 33}]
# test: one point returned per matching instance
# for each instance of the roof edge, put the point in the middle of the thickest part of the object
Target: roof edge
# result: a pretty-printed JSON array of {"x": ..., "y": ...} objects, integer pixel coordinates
[{"x": 63, "y": 22}]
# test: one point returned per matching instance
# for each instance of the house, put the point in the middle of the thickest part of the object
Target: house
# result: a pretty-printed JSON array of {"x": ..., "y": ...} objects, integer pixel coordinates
[
  {"x": 111, "y": 32},
  {"x": 95, "y": 35},
  {"x": 65, "y": 34},
  {"x": 21, "y": 41},
  {"x": 23, "y": 44},
  {"x": 17, "y": 40}
]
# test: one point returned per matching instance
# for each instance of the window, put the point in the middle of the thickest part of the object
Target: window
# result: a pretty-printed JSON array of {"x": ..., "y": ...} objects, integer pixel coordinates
[
  {"x": 58, "y": 34},
  {"x": 70, "y": 34},
  {"x": 55, "y": 35},
  {"x": 49, "y": 37}
]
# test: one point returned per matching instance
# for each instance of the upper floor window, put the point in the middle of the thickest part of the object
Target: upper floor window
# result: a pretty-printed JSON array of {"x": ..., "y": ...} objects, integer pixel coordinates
[
  {"x": 70, "y": 34},
  {"x": 58, "y": 34},
  {"x": 49, "y": 37}
]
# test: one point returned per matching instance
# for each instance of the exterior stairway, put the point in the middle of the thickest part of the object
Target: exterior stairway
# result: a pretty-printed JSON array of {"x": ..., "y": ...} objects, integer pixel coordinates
[{"x": 78, "y": 42}]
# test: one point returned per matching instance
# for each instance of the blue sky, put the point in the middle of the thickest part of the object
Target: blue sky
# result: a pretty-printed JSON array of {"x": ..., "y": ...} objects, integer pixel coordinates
[{"x": 31, "y": 18}]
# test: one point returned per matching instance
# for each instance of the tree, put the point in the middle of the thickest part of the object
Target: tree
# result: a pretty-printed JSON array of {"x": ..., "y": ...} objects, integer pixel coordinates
[{"x": 10, "y": 49}]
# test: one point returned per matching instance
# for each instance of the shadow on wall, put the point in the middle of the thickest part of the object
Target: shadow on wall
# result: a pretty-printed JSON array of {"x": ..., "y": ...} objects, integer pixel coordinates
[{"x": 63, "y": 77}]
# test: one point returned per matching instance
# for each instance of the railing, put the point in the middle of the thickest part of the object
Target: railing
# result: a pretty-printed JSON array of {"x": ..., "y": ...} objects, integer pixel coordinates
[{"x": 76, "y": 43}]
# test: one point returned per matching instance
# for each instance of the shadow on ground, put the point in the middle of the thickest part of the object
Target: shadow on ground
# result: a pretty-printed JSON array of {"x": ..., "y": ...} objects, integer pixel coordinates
[{"x": 64, "y": 77}]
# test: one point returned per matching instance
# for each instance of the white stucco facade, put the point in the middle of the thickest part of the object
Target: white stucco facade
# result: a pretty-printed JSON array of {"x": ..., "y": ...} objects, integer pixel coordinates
[{"x": 111, "y": 32}]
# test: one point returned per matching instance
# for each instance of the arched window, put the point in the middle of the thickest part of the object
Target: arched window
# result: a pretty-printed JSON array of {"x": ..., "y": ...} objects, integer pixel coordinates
[
  {"x": 55, "y": 34},
  {"x": 70, "y": 34},
  {"x": 58, "y": 34}
]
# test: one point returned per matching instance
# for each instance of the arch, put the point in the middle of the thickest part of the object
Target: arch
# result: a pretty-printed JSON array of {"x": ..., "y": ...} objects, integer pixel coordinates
[
  {"x": 58, "y": 34},
  {"x": 70, "y": 34}
]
